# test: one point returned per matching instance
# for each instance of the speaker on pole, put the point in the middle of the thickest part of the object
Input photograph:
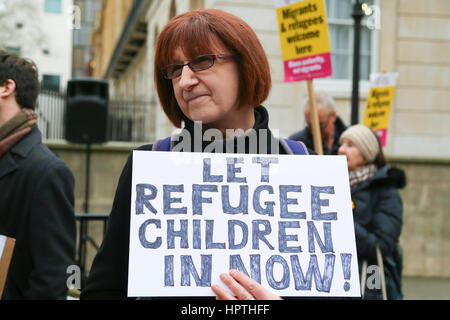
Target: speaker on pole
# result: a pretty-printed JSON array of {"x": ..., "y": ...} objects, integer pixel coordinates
[
  {"x": 86, "y": 120},
  {"x": 86, "y": 116}
]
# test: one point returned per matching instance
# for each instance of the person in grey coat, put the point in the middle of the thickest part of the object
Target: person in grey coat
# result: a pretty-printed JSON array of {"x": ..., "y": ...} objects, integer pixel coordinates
[
  {"x": 36, "y": 192},
  {"x": 377, "y": 207}
]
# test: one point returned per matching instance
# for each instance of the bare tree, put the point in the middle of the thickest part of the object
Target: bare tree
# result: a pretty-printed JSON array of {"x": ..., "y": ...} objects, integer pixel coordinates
[{"x": 20, "y": 25}]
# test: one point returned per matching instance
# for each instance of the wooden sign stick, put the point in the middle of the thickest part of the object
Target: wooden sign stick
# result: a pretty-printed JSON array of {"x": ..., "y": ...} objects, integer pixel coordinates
[
  {"x": 315, "y": 126},
  {"x": 5, "y": 259}
]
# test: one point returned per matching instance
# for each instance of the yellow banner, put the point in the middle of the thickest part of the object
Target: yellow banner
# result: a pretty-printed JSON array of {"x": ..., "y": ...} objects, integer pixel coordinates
[
  {"x": 303, "y": 29},
  {"x": 378, "y": 108}
]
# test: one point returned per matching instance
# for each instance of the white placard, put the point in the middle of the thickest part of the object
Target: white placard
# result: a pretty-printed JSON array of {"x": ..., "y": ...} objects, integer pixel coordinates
[
  {"x": 2, "y": 244},
  {"x": 387, "y": 79},
  {"x": 283, "y": 3},
  {"x": 284, "y": 220}
]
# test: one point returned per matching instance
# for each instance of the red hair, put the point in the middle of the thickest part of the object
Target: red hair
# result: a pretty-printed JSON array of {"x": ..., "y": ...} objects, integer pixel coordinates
[{"x": 196, "y": 32}]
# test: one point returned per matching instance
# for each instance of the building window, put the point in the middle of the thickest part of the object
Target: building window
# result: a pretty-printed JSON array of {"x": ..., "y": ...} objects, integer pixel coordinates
[
  {"x": 340, "y": 28},
  {"x": 53, "y": 6},
  {"x": 14, "y": 50},
  {"x": 50, "y": 82},
  {"x": 82, "y": 36}
]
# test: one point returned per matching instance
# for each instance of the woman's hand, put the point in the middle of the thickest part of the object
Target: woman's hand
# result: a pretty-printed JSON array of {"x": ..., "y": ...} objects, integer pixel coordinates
[{"x": 244, "y": 288}]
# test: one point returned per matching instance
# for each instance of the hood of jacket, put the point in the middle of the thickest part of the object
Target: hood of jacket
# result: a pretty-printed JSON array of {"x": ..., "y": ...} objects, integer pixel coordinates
[{"x": 390, "y": 175}]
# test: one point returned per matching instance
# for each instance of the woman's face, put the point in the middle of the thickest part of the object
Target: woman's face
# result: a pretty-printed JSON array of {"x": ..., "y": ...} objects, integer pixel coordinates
[
  {"x": 355, "y": 160},
  {"x": 212, "y": 95}
]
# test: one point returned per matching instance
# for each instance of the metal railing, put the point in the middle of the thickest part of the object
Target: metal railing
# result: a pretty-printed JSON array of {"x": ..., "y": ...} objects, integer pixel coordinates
[
  {"x": 50, "y": 109},
  {"x": 84, "y": 238},
  {"x": 128, "y": 120}
]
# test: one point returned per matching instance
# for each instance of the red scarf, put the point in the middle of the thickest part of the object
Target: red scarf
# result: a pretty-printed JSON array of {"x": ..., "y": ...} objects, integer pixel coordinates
[{"x": 16, "y": 128}]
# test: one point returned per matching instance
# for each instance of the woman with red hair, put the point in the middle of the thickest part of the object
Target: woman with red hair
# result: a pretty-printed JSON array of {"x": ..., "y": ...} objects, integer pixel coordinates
[
  {"x": 211, "y": 41},
  {"x": 211, "y": 73}
]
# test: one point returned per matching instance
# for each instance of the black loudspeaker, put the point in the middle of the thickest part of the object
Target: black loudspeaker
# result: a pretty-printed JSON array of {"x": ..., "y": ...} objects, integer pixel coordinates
[{"x": 86, "y": 117}]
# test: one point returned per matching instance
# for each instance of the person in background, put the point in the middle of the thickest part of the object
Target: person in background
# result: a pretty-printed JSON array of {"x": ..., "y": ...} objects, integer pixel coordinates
[
  {"x": 377, "y": 206},
  {"x": 331, "y": 125},
  {"x": 36, "y": 191}
]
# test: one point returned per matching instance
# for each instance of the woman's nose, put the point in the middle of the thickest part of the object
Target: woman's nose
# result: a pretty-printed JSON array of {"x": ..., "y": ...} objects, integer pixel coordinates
[{"x": 187, "y": 78}]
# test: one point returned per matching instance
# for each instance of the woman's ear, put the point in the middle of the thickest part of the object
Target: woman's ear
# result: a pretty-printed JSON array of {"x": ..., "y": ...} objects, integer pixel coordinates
[{"x": 333, "y": 116}]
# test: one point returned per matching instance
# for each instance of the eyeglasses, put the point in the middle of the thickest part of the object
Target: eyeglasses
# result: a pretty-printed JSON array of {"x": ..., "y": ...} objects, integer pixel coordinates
[{"x": 200, "y": 63}]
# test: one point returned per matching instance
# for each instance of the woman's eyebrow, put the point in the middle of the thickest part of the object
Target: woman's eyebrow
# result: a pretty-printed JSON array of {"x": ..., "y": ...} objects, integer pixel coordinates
[{"x": 176, "y": 61}]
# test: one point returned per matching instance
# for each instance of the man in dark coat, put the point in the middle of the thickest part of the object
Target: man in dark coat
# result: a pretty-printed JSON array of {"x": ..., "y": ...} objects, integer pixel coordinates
[
  {"x": 36, "y": 192},
  {"x": 331, "y": 126}
]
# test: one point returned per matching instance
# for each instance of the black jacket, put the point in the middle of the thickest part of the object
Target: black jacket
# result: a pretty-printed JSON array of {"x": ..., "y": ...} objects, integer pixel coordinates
[
  {"x": 108, "y": 277},
  {"x": 36, "y": 208},
  {"x": 378, "y": 213},
  {"x": 306, "y": 137}
]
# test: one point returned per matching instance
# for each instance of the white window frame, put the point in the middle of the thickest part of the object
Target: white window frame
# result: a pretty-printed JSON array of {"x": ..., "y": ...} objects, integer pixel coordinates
[
  {"x": 54, "y": 12},
  {"x": 342, "y": 88}
]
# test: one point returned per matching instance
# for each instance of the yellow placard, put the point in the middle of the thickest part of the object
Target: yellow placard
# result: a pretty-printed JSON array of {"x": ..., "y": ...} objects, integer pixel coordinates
[
  {"x": 378, "y": 107},
  {"x": 303, "y": 29}
]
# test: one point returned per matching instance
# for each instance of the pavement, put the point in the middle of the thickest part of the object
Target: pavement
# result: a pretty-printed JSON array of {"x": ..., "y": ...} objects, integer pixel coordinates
[
  {"x": 417, "y": 288},
  {"x": 414, "y": 288}
]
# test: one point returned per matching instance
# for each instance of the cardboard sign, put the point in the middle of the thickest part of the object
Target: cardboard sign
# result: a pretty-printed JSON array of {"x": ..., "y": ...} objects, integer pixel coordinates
[
  {"x": 379, "y": 103},
  {"x": 284, "y": 220},
  {"x": 305, "y": 45},
  {"x": 6, "y": 251}
]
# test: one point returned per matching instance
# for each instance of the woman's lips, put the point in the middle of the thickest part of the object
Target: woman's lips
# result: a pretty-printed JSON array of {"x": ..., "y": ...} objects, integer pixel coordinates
[{"x": 195, "y": 98}]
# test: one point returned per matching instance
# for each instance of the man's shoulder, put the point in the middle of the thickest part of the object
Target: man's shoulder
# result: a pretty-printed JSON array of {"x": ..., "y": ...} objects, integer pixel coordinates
[
  {"x": 41, "y": 153},
  {"x": 340, "y": 125},
  {"x": 300, "y": 135},
  {"x": 42, "y": 163},
  {"x": 31, "y": 149},
  {"x": 33, "y": 155}
]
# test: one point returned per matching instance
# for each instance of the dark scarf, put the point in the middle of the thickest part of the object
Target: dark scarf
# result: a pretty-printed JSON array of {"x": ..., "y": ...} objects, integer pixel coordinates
[
  {"x": 258, "y": 140},
  {"x": 16, "y": 128}
]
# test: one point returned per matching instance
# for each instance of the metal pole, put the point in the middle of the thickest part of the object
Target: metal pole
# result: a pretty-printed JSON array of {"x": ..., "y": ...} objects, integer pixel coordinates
[
  {"x": 357, "y": 15},
  {"x": 83, "y": 224},
  {"x": 88, "y": 164}
]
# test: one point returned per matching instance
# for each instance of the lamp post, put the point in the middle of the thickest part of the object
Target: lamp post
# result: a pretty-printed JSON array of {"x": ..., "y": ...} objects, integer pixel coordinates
[{"x": 357, "y": 15}]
